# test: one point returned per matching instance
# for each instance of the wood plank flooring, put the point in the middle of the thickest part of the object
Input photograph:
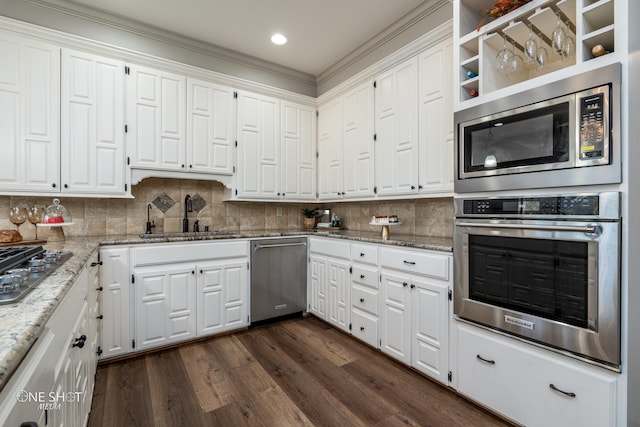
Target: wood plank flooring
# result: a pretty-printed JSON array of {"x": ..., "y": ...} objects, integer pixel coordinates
[{"x": 298, "y": 372}]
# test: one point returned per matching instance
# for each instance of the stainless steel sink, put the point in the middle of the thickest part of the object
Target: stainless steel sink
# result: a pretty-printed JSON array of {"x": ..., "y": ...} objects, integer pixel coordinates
[{"x": 197, "y": 234}]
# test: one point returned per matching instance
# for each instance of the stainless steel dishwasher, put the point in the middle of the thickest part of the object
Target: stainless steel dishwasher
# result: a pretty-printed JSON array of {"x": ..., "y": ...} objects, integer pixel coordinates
[{"x": 278, "y": 277}]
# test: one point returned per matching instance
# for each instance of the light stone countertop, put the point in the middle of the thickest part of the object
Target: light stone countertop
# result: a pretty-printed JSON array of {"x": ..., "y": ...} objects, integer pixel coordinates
[{"x": 21, "y": 323}]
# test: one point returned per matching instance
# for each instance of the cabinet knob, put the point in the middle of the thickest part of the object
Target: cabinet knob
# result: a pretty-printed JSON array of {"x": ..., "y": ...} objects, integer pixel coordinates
[
  {"x": 412, "y": 286},
  {"x": 338, "y": 193},
  {"x": 405, "y": 284},
  {"x": 53, "y": 185},
  {"x": 419, "y": 187},
  {"x": 361, "y": 253},
  {"x": 361, "y": 299},
  {"x": 200, "y": 271},
  {"x": 190, "y": 166},
  {"x": 343, "y": 193},
  {"x": 362, "y": 328},
  {"x": 278, "y": 194},
  {"x": 193, "y": 272},
  {"x": 79, "y": 342},
  {"x": 66, "y": 186},
  {"x": 99, "y": 289},
  {"x": 93, "y": 264},
  {"x": 283, "y": 194},
  {"x": 100, "y": 317},
  {"x": 413, "y": 187},
  {"x": 182, "y": 166},
  {"x": 362, "y": 276}
]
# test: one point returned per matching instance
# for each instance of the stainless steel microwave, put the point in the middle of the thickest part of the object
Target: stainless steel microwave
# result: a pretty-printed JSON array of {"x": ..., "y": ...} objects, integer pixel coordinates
[{"x": 565, "y": 133}]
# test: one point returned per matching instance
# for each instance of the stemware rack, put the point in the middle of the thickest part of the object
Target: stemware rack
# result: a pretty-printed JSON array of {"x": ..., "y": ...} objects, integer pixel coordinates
[{"x": 589, "y": 22}]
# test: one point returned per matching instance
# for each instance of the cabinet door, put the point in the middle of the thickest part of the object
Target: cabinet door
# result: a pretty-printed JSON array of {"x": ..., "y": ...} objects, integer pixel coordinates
[
  {"x": 318, "y": 286},
  {"x": 211, "y": 129},
  {"x": 358, "y": 115},
  {"x": 330, "y": 156},
  {"x": 115, "y": 306},
  {"x": 222, "y": 296},
  {"x": 165, "y": 304},
  {"x": 156, "y": 136},
  {"x": 258, "y": 146},
  {"x": 29, "y": 115},
  {"x": 338, "y": 293},
  {"x": 436, "y": 118},
  {"x": 92, "y": 133},
  {"x": 396, "y": 100},
  {"x": 430, "y": 342},
  {"x": 298, "y": 152},
  {"x": 395, "y": 319}
]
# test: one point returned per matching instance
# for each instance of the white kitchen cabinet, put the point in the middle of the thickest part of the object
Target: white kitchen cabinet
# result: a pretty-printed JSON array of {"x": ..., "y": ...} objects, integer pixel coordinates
[
  {"x": 346, "y": 156},
  {"x": 221, "y": 296},
  {"x": 530, "y": 385},
  {"x": 330, "y": 285},
  {"x": 115, "y": 299},
  {"x": 330, "y": 154},
  {"x": 365, "y": 295},
  {"x": 165, "y": 304},
  {"x": 414, "y": 319},
  {"x": 92, "y": 125},
  {"x": 435, "y": 118},
  {"x": 94, "y": 315},
  {"x": 156, "y": 119},
  {"x": 258, "y": 174},
  {"x": 29, "y": 115},
  {"x": 211, "y": 120},
  {"x": 298, "y": 152},
  {"x": 396, "y": 123}
]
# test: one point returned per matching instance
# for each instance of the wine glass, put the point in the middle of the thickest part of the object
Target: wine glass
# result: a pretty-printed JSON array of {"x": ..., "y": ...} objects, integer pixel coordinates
[
  {"x": 516, "y": 63},
  {"x": 558, "y": 37},
  {"x": 17, "y": 216},
  {"x": 530, "y": 50},
  {"x": 569, "y": 46},
  {"x": 35, "y": 216},
  {"x": 542, "y": 57},
  {"x": 503, "y": 58}
]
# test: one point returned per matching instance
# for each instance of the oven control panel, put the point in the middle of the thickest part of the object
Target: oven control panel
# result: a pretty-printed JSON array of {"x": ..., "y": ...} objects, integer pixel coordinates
[{"x": 582, "y": 205}]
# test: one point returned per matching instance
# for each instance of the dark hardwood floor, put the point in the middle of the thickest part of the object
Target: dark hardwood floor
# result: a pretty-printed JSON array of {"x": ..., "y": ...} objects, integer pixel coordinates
[{"x": 291, "y": 373}]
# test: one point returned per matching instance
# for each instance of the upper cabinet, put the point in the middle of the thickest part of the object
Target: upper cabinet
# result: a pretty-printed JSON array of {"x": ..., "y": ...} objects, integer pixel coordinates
[
  {"x": 92, "y": 125},
  {"x": 156, "y": 128},
  {"x": 276, "y": 149},
  {"x": 29, "y": 115},
  {"x": 559, "y": 34},
  {"x": 330, "y": 156},
  {"x": 396, "y": 121},
  {"x": 211, "y": 120}
]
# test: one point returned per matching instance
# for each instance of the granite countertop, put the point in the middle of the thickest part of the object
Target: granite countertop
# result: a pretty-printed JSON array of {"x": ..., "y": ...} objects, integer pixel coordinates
[{"x": 23, "y": 322}]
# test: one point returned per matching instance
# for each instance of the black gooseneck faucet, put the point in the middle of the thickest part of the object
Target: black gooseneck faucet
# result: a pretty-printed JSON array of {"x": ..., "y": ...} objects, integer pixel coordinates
[
  {"x": 188, "y": 207},
  {"x": 150, "y": 224}
]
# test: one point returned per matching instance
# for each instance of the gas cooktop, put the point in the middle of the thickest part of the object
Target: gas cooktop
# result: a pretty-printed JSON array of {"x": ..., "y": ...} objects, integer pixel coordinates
[{"x": 22, "y": 268}]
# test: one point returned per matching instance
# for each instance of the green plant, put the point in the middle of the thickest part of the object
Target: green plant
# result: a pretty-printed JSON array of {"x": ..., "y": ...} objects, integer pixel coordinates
[{"x": 308, "y": 213}]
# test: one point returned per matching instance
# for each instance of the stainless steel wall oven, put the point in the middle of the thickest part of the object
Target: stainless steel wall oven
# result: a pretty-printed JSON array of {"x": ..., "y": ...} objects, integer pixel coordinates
[{"x": 546, "y": 269}]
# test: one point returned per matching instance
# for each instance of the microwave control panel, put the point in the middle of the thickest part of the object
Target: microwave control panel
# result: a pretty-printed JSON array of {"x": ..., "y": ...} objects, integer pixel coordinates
[{"x": 593, "y": 129}]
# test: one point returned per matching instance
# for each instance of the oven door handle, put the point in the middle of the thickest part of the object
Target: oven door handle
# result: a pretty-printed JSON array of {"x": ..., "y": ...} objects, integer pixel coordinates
[{"x": 590, "y": 229}]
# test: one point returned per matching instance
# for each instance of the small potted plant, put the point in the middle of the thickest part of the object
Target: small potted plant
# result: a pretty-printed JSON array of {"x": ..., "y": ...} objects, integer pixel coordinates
[{"x": 309, "y": 217}]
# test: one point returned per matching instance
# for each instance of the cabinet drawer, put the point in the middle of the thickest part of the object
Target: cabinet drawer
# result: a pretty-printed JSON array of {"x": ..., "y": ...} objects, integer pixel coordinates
[
  {"x": 367, "y": 254},
  {"x": 426, "y": 263},
  {"x": 514, "y": 375},
  {"x": 331, "y": 247},
  {"x": 365, "y": 327},
  {"x": 365, "y": 276},
  {"x": 365, "y": 299}
]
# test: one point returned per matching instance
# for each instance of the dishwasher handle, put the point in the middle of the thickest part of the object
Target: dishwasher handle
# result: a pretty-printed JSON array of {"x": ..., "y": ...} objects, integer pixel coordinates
[{"x": 277, "y": 245}]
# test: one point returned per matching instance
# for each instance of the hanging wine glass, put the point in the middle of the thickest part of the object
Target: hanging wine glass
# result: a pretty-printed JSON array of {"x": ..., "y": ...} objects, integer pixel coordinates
[
  {"x": 558, "y": 37},
  {"x": 503, "y": 58},
  {"x": 530, "y": 50},
  {"x": 543, "y": 57},
  {"x": 569, "y": 44},
  {"x": 516, "y": 63}
]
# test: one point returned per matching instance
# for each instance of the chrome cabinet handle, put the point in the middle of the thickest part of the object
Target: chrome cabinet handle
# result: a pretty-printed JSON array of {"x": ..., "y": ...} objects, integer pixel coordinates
[
  {"x": 575, "y": 228},
  {"x": 490, "y": 362},
  {"x": 566, "y": 393}
]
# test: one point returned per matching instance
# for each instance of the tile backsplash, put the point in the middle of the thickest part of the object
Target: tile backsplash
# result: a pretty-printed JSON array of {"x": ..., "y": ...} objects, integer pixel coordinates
[{"x": 94, "y": 217}]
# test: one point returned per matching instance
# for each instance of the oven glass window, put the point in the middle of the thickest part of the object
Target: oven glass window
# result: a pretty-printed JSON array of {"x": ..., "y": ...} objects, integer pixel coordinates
[
  {"x": 545, "y": 278},
  {"x": 534, "y": 137}
]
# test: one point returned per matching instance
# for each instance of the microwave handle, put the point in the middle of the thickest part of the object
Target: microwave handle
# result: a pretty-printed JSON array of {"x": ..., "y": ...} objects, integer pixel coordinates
[{"x": 591, "y": 229}]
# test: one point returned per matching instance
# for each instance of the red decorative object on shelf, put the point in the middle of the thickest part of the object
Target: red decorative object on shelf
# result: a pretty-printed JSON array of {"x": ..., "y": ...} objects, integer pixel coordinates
[{"x": 500, "y": 8}]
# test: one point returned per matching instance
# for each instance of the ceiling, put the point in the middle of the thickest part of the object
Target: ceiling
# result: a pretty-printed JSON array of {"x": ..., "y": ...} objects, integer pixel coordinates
[{"x": 320, "y": 32}]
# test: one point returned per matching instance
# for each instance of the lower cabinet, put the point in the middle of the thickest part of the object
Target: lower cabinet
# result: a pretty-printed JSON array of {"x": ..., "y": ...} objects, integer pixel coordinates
[
  {"x": 532, "y": 386},
  {"x": 329, "y": 281},
  {"x": 161, "y": 294},
  {"x": 53, "y": 385},
  {"x": 414, "y": 319}
]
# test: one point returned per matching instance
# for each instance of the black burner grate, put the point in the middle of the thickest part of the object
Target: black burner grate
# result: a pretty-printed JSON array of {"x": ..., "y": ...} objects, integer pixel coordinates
[{"x": 12, "y": 256}]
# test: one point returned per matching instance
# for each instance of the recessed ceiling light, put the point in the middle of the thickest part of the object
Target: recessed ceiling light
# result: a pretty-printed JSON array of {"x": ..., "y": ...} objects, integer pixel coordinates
[{"x": 278, "y": 39}]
